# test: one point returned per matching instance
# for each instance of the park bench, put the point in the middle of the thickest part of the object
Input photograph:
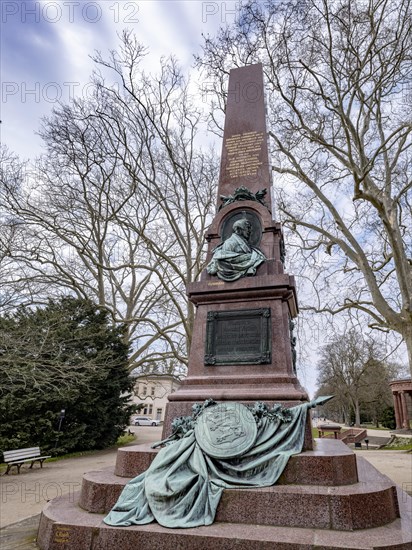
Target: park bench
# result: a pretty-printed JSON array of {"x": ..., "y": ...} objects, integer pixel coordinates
[
  {"x": 21, "y": 456},
  {"x": 323, "y": 429}
]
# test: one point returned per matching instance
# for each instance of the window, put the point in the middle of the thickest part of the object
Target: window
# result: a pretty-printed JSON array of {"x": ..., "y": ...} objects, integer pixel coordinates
[
  {"x": 150, "y": 409},
  {"x": 145, "y": 410},
  {"x": 144, "y": 390},
  {"x": 153, "y": 390}
]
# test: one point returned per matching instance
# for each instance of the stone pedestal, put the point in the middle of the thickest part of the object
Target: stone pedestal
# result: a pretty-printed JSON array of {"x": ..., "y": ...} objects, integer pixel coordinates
[{"x": 325, "y": 498}]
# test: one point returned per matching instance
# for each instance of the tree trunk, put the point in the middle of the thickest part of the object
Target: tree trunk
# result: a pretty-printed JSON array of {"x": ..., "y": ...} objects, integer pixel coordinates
[
  {"x": 357, "y": 413},
  {"x": 407, "y": 336},
  {"x": 346, "y": 416}
]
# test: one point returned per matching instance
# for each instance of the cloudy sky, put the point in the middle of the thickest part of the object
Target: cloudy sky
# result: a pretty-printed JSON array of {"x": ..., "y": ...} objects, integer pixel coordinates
[{"x": 45, "y": 49}]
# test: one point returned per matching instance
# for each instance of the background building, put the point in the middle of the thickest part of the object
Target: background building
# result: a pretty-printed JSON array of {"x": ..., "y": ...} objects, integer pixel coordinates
[
  {"x": 151, "y": 391},
  {"x": 402, "y": 401}
]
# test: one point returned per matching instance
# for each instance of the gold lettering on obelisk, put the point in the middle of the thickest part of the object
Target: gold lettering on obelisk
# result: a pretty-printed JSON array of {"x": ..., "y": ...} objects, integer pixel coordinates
[{"x": 243, "y": 152}]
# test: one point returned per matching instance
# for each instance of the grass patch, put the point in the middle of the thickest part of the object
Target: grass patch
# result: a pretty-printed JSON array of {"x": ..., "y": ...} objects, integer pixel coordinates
[
  {"x": 370, "y": 426},
  {"x": 399, "y": 444},
  {"x": 315, "y": 432},
  {"x": 71, "y": 455},
  {"x": 124, "y": 440},
  {"x": 121, "y": 442}
]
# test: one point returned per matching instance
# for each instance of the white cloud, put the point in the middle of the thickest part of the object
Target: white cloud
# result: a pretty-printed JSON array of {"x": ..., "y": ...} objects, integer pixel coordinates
[
  {"x": 77, "y": 45},
  {"x": 59, "y": 37}
]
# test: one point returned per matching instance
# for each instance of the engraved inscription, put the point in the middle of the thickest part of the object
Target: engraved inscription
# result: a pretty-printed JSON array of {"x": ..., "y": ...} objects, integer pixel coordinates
[
  {"x": 243, "y": 151},
  {"x": 62, "y": 535},
  {"x": 238, "y": 337}
]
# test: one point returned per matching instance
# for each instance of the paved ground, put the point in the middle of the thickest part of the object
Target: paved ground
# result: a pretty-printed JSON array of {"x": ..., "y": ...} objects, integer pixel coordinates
[
  {"x": 395, "y": 464},
  {"x": 24, "y": 496}
]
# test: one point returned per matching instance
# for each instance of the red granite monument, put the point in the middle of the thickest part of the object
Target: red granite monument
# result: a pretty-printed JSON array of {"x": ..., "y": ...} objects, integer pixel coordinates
[
  {"x": 243, "y": 350},
  {"x": 243, "y": 343}
]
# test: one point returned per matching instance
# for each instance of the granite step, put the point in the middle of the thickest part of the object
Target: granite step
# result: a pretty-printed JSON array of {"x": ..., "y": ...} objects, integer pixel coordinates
[
  {"x": 100, "y": 490},
  {"x": 330, "y": 463},
  {"x": 64, "y": 526},
  {"x": 371, "y": 502}
]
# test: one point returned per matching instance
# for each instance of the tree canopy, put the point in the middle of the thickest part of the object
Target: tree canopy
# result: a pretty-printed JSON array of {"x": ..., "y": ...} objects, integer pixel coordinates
[
  {"x": 68, "y": 356},
  {"x": 116, "y": 209}
]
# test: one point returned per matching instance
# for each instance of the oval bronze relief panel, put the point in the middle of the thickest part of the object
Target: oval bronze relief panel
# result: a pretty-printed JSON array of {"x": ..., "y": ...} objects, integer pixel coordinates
[
  {"x": 226, "y": 430},
  {"x": 251, "y": 217}
]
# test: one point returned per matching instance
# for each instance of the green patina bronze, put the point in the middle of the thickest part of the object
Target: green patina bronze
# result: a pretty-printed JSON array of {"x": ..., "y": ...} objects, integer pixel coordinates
[
  {"x": 243, "y": 194},
  {"x": 226, "y": 430},
  {"x": 183, "y": 485},
  {"x": 235, "y": 257}
]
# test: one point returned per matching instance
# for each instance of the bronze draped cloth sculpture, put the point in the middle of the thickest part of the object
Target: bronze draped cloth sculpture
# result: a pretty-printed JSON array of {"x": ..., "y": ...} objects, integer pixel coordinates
[{"x": 183, "y": 485}]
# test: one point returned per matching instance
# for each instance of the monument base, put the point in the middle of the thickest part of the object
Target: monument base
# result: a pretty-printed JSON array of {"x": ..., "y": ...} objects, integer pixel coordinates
[
  {"x": 252, "y": 315},
  {"x": 326, "y": 498}
]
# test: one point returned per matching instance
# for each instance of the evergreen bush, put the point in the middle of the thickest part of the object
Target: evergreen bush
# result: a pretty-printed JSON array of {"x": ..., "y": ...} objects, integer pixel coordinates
[{"x": 66, "y": 355}]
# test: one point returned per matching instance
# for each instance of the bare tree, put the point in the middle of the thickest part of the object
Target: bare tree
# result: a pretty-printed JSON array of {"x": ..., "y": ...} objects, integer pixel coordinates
[
  {"x": 353, "y": 369},
  {"x": 119, "y": 204},
  {"x": 13, "y": 282},
  {"x": 178, "y": 179},
  {"x": 339, "y": 80}
]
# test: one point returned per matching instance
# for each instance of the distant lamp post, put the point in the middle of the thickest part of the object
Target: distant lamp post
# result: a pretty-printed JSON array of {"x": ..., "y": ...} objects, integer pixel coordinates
[
  {"x": 62, "y": 415},
  {"x": 61, "y": 418}
]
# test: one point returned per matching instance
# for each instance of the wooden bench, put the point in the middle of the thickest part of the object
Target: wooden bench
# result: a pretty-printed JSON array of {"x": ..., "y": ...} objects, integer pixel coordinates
[
  {"x": 324, "y": 428},
  {"x": 21, "y": 456}
]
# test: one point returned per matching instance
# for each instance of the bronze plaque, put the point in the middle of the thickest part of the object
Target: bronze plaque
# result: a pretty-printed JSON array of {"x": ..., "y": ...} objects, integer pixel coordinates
[{"x": 238, "y": 337}]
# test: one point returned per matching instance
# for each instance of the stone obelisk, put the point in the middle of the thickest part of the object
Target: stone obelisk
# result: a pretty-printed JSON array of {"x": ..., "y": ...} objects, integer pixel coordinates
[
  {"x": 243, "y": 344},
  {"x": 245, "y": 159}
]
